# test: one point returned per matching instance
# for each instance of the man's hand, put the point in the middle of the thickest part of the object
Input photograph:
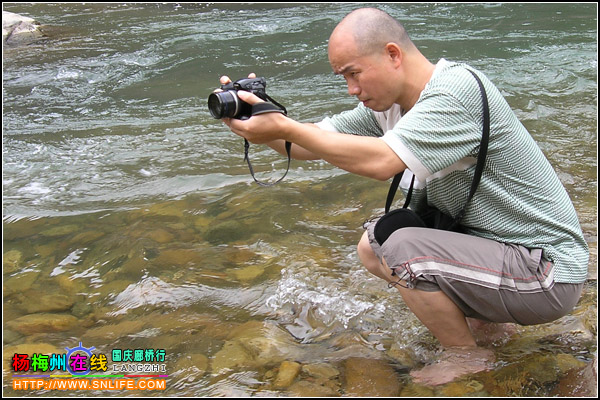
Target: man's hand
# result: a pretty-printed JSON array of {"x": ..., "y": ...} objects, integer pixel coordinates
[
  {"x": 262, "y": 128},
  {"x": 258, "y": 129},
  {"x": 246, "y": 130},
  {"x": 225, "y": 79}
]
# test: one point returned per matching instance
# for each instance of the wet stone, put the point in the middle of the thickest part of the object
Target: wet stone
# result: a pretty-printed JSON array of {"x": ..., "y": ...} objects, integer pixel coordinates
[
  {"x": 86, "y": 237},
  {"x": 321, "y": 370},
  {"x": 231, "y": 356},
  {"x": 249, "y": 273},
  {"x": 11, "y": 261},
  {"x": 81, "y": 309},
  {"x": 43, "y": 322},
  {"x": 169, "y": 209},
  {"x": 463, "y": 388},
  {"x": 112, "y": 332},
  {"x": 288, "y": 371},
  {"x": 178, "y": 257},
  {"x": 226, "y": 232},
  {"x": 415, "y": 390},
  {"x": 193, "y": 365},
  {"x": 579, "y": 382},
  {"x": 58, "y": 231},
  {"x": 311, "y": 389},
  {"x": 48, "y": 303},
  {"x": 161, "y": 236},
  {"x": 370, "y": 378},
  {"x": 19, "y": 283}
]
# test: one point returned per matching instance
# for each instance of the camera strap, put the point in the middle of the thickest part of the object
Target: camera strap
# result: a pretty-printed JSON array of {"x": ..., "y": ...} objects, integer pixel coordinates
[
  {"x": 263, "y": 108},
  {"x": 483, "y": 148}
]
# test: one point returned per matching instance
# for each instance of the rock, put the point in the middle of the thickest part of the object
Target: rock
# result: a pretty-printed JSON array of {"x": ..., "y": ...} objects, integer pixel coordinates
[
  {"x": 161, "y": 236},
  {"x": 579, "y": 382},
  {"x": 463, "y": 388},
  {"x": 20, "y": 283},
  {"x": 255, "y": 344},
  {"x": 415, "y": 390},
  {"x": 249, "y": 273},
  {"x": 168, "y": 209},
  {"x": 321, "y": 370},
  {"x": 43, "y": 323},
  {"x": 288, "y": 371},
  {"x": 178, "y": 257},
  {"x": 86, "y": 237},
  {"x": 11, "y": 261},
  {"x": 58, "y": 231},
  {"x": 403, "y": 355},
  {"x": 81, "y": 309},
  {"x": 192, "y": 365},
  {"x": 113, "y": 332},
  {"x": 231, "y": 356},
  {"x": 311, "y": 389},
  {"x": 367, "y": 377},
  {"x": 226, "y": 232},
  {"x": 49, "y": 303},
  {"x": 17, "y": 29},
  {"x": 247, "y": 330}
]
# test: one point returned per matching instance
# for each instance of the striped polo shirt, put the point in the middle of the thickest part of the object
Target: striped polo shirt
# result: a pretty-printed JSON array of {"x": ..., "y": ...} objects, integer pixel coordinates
[{"x": 519, "y": 200}]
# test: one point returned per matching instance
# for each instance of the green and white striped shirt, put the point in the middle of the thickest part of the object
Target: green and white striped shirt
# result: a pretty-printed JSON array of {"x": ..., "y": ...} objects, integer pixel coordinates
[{"x": 519, "y": 200}]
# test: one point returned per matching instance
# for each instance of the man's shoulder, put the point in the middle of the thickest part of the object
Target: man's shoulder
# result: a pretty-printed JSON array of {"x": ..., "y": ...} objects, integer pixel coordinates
[{"x": 451, "y": 76}]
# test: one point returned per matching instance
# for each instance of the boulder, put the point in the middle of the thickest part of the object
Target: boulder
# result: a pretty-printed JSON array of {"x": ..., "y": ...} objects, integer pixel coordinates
[{"x": 18, "y": 29}]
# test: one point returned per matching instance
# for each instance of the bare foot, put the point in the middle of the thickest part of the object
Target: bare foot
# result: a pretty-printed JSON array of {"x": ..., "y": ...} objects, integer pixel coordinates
[
  {"x": 453, "y": 363},
  {"x": 487, "y": 333}
]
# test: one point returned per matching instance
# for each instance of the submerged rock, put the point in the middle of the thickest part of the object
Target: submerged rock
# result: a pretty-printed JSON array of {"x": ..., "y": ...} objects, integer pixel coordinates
[
  {"x": 579, "y": 382},
  {"x": 11, "y": 261},
  {"x": 232, "y": 355},
  {"x": 193, "y": 365},
  {"x": 288, "y": 371},
  {"x": 43, "y": 323},
  {"x": 370, "y": 378},
  {"x": 254, "y": 344},
  {"x": 47, "y": 303}
]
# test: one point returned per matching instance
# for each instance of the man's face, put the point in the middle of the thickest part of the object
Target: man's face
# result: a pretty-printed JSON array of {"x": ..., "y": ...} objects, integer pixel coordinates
[{"x": 368, "y": 76}]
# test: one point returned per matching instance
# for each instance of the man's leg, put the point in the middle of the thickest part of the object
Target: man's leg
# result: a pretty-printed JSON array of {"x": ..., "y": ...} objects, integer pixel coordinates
[
  {"x": 435, "y": 310},
  {"x": 442, "y": 318}
]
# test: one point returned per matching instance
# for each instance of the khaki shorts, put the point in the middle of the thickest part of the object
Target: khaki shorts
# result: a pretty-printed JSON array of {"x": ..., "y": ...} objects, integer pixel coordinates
[{"x": 486, "y": 279}]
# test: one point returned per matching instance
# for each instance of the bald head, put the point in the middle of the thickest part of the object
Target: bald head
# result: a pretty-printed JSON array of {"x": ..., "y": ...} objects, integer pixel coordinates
[{"x": 371, "y": 30}]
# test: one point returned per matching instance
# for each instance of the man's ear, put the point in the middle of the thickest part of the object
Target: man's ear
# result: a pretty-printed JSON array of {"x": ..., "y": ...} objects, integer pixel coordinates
[{"x": 394, "y": 52}]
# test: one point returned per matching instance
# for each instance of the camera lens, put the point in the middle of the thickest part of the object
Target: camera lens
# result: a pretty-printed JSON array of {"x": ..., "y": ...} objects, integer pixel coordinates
[{"x": 223, "y": 104}]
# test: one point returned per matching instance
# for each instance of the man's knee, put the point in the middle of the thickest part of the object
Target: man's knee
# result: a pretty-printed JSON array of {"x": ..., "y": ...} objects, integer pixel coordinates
[
  {"x": 370, "y": 259},
  {"x": 365, "y": 253}
]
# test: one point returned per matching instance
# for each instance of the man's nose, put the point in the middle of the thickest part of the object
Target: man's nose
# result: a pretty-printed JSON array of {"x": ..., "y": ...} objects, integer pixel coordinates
[{"x": 353, "y": 89}]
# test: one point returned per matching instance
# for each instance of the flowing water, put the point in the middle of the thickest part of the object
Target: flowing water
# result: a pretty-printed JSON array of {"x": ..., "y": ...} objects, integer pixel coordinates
[{"x": 130, "y": 220}]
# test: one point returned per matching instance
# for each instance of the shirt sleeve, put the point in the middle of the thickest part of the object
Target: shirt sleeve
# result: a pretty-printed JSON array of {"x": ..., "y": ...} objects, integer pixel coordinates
[
  {"x": 359, "y": 121},
  {"x": 436, "y": 133}
]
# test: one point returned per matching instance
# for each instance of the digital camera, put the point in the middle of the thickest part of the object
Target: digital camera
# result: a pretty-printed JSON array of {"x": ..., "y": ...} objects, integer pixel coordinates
[{"x": 227, "y": 104}]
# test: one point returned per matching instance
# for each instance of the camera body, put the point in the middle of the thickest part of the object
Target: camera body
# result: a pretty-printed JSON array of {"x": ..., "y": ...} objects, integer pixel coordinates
[{"x": 227, "y": 104}]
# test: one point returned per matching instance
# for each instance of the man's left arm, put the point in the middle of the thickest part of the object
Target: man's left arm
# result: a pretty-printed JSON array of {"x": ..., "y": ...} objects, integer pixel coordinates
[{"x": 361, "y": 155}]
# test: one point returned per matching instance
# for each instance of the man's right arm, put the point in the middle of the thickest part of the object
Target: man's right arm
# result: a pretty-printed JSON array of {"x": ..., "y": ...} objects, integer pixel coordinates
[{"x": 297, "y": 153}]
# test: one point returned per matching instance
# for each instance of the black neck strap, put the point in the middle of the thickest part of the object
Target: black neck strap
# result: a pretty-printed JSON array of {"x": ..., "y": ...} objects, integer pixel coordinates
[
  {"x": 262, "y": 108},
  {"x": 483, "y": 147}
]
